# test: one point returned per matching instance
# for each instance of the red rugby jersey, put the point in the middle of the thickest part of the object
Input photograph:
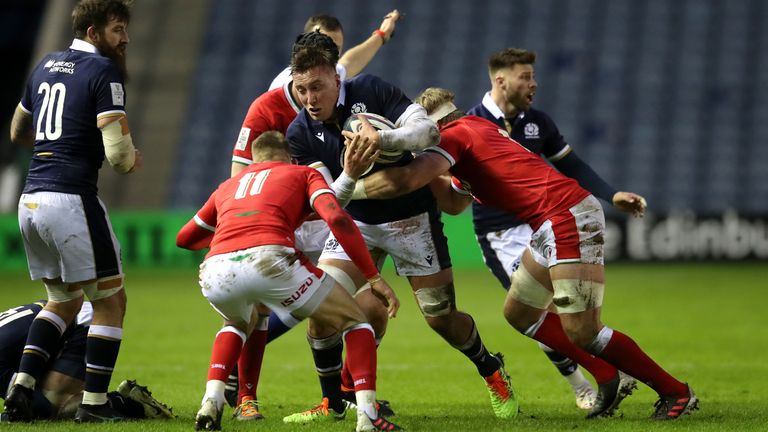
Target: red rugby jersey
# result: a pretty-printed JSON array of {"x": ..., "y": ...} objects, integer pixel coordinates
[{"x": 503, "y": 174}]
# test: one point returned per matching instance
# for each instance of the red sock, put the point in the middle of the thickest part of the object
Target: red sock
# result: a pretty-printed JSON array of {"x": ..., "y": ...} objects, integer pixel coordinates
[
  {"x": 347, "y": 383},
  {"x": 623, "y": 352},
  {"x": 249, "y": 364},
  {"x": 551, "y": 334},
  {"x": 361, "y": 353},
  {"x": 226, "y": 349}
]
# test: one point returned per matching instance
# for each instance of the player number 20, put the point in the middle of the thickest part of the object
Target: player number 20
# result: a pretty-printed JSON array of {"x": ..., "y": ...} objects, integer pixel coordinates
[
  {"x": 252, "y": 181},
  {"x": 51, "y": 111}
]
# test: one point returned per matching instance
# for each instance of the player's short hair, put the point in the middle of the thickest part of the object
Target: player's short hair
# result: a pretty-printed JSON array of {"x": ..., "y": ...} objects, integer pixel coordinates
[
  {"x": 435, "y": 97},
  {"x": 98, "y": 13},
  {"x": 325, "y": 22},
  {"x": 510, "y": 57},
  {"x": 308, "y": 57},
  {"x": 270, "y": 145},
  {"x": 317, "y": 40}
]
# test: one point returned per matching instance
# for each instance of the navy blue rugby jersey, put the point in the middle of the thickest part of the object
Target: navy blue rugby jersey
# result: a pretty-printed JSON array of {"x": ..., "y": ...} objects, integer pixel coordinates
[
  {"x": 314, "y": 141},
  {"x": 537, "y": 132},
  {"x": 66, "y": 92}
]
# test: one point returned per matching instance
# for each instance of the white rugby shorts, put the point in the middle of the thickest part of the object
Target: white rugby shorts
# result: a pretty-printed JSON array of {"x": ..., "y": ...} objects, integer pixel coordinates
[
  {"x": 68, "y": 236},
  {"x": 417, "y": 244},
  {"x": 311, "y": 237},
  {"x": 272, "y": 275},
  {"x": 573, "y": 236}
]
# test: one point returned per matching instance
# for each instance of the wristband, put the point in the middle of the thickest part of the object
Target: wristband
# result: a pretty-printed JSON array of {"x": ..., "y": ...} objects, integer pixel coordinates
[
  {"x": 382, "y": 35},
  {"x": 374, "y": 279},
  {"x": 359, "y": 192}
]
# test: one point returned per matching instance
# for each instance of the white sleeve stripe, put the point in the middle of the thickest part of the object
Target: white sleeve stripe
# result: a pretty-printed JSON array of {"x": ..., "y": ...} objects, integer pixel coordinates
[
  {"x": 201, "y": 223},
  {"x": 242, "y": 160},
  {"x": 561, "y": 154},
  {"x": 110, "y": 113},
  {"x": 23, "y": 108},
  {"x": 442, "y": 153},
  {"x": 316, "y": 165},
  {"x": 317, "y": 194}
]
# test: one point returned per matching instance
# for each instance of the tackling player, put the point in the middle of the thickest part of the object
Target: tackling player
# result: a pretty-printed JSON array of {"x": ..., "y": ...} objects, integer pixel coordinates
[
  {"x": 503, "y": 237},
  {"x": 269, "y": 200},
  {"x": 407, "y": 228},
  {"x": 564, "y": 262},
  {"x": 73, "y": 110}
]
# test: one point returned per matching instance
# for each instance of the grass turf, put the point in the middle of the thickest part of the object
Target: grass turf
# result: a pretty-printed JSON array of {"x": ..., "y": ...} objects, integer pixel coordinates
[{"x": 701, "y": 322}]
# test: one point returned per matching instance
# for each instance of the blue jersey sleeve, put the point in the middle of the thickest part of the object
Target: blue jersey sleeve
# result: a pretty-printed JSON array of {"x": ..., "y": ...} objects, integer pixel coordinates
[
  {"x": 109, "y": 90},
  {"x": 554, "y": 147}
]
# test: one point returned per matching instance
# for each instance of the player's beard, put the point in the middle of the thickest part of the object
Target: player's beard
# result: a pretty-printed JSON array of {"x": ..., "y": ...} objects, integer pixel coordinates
[{"x": 117, "y": 55}]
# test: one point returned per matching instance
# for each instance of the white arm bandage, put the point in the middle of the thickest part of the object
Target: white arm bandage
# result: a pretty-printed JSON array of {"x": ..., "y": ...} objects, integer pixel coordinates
[
  {"x": 415, "y": 131},
  {"x": 343, "y": 188},
  {"x": 118, "y": 148}
]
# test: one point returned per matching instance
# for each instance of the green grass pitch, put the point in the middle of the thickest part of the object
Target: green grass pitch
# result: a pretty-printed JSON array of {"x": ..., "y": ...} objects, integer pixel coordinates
[{"x": 702, "y": 322}]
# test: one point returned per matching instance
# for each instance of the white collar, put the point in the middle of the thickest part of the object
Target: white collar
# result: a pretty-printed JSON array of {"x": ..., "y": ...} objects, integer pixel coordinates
[
  {"x": 491, "y": 106},
  {"x": 81, "y": 45},
  {"x": 342, "y": 94}
]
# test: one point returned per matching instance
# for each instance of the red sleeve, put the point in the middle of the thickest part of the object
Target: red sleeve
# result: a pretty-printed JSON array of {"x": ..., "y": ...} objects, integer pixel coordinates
[
  {"x": 254, "y": 125},
  {"x": 197, "y": 233},
  {"x": 316, "y": 186},
  {"x": 346, "y": 232}
]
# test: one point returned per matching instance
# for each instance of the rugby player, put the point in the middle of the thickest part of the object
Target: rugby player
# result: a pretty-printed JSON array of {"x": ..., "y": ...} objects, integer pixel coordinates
[
  {"x": 268, "y": 200},
  {"x": 564, "y": 261},
  {"x": 503, "y": 237},
  {"x": 73, "y": 112},
  {"x": 60, "y": 389},
  {"x": 407, "y": 228}
]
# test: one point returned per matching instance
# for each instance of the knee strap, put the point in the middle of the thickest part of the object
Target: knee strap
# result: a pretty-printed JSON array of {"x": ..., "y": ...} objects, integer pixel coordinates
[
  {"x": 435, "y": 302},
  {"x": 527, "y": 290},
  {"x": 103, "y": 288},
  {"x": 63, "y": 292},
  {"x": 576, "y": 295},
  {"x": 341, "y": 277}
]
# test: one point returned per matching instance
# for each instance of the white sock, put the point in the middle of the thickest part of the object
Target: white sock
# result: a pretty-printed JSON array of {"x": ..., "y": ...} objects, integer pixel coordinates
[
  {"x": 94, "y": 398},
  {"x": 214, "y": 389},
  {"x": 366, "y": 402},
  {"x": 25, "y": 380},
  {"x": 577, "y": 380}
]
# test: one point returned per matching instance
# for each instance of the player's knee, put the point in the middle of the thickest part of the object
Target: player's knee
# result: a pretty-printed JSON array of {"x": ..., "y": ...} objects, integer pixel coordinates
[
  {"x": 107, "y": 297},
  {"x": 374, "y": 310},
  {"x": 579, "y": 334},
  {"x": 436, "y": 302}
]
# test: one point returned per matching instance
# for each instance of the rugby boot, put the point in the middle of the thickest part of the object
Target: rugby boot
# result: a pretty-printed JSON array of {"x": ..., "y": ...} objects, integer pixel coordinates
[
  {"x": 503, "y": 398},
  {"x": 610, "y": 395},
  {"x": 674, "y": 407}
]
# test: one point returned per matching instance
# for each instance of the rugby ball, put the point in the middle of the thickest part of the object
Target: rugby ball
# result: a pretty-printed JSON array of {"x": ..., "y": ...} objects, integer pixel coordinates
[{"x": 353, "y": 124}]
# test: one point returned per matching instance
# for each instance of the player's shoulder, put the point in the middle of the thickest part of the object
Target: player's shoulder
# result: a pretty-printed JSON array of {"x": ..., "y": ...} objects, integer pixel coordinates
[
  {"x": 366, "y": 80},
  {"x": 478, "y": 110},
  {"x": 540, "y": 116}
]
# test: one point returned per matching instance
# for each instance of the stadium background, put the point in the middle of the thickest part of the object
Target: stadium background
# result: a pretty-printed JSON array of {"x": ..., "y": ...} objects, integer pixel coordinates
[{"x": 664, "y": 98}]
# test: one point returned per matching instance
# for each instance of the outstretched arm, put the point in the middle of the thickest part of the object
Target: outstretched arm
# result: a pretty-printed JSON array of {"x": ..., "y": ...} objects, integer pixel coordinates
[
  {"x": 575, "y": 168},
  {"x": 357, "y": 58}
]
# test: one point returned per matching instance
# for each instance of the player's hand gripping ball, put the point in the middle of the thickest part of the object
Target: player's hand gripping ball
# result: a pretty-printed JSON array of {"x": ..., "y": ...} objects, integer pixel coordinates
[{"x": 353, "y": 124}]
